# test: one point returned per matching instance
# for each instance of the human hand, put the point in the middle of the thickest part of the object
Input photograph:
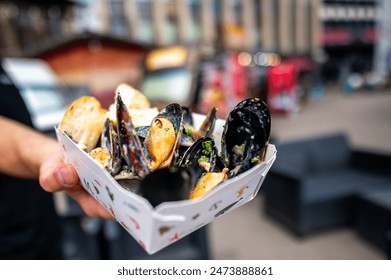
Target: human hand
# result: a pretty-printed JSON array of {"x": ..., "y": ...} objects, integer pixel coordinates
[{"x": 56, "y": 175}]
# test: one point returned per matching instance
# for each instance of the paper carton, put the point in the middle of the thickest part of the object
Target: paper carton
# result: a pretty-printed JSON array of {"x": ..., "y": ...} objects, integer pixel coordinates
[{"x": 156, "y": 228}]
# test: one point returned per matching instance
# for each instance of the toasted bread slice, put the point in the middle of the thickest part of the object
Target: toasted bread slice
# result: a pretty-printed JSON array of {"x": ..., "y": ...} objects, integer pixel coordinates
[
  {"x": 83, "y": 121},
  {"x": 132, "y": 98}
]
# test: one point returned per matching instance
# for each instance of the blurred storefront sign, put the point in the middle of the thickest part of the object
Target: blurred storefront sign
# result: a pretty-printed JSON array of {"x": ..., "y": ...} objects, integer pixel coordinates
[{"x": 282, "y": 86}]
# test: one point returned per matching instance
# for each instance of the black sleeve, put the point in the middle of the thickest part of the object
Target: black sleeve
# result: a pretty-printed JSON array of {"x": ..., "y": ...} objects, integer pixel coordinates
[{"x": 12, "y": 105}]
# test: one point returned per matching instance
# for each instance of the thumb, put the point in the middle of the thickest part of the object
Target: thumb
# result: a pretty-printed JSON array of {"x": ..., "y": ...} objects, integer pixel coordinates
[{"x": 55, "y": 175}]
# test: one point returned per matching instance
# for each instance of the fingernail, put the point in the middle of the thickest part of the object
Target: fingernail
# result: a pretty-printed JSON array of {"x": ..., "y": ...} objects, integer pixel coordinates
[{"x": 64, "y": 177}]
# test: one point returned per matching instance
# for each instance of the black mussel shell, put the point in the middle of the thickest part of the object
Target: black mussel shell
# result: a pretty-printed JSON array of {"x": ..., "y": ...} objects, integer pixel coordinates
[
  {"x": 110, "y": 140},
  {"x": 128, "y": 180},
  {"x": 208, "y": 125},
  {"x": 187, "y": 116},
  {"x": 186, "y": 137},
  {"x": 130, "y": 143},
  {"x": 174, "y": 112},
  {"x": 131, "y": 185},
  {"x": 167, "y": 184},
  {"x": 204, "y": 149},
  {"x": 243, "y": 140},
  {"x": 142, "y": 132},
  {"x": 260, "y": 108}
]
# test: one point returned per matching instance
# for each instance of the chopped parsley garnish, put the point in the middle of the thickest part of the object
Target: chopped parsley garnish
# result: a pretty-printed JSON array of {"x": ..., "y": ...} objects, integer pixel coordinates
[
  {"x": 206, "y": 147},
  {"x": 254, "y": 159},
  {"x": 203, "y": 159},
  {"x": 173, "y": 169},
  {"x": 188, "y": 132}
]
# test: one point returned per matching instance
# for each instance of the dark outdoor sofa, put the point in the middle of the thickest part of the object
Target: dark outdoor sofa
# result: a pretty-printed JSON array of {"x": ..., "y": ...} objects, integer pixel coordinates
[
  {"x": 373, "y": 220},
  {"x": 315, "y": 183}
]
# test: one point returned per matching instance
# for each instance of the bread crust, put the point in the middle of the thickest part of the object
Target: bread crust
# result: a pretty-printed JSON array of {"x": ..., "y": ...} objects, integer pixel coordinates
[{"x": 84, "y": 120}]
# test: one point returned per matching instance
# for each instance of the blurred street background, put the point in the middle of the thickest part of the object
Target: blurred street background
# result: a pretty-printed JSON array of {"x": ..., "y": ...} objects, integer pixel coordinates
[{"x": 322, "y": 67}]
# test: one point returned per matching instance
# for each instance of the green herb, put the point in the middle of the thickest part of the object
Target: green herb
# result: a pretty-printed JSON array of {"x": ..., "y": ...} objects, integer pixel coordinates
[
  {"x": 241, "y": 147},
  {"x": 189, "y": 132},
  {"x": 167, "y": 129},
  {"x": 206, "y": 147},
  {"x": 173, "y": 169},
  {"x": 203, "y": 159},
  {"x": 254, "y": 160}
]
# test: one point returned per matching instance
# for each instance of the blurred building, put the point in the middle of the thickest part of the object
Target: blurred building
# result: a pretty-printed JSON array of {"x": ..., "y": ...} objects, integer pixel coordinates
[
  {"x": 98, "y": 61},
  {"x": 340, "y": 35},
  {"x": 349, "y": 37},
  {"x": 228, "y": 24}
]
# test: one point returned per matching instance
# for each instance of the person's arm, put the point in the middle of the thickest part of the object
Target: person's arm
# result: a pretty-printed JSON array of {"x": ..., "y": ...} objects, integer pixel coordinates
[
  {"x": 26, "y": 153},
  {"x": 22, "y": 150}
]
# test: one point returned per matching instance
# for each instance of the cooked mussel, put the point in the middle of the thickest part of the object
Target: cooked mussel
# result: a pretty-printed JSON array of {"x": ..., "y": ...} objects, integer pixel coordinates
[
  {"x": 260, "y": 108},
  {"x": 146, "y": 160},
  {"x": 200, "y": 157},
  {"x": 208, "y": 182},
  {"x": 131, "y": 147},
  {"x": 109, "y": 140},
  {"x": 245, "y": 135},
  {"x": 208, "y": 125},
  {"x": 162, "y": 139},
  {"x": 191, "y": 134}
]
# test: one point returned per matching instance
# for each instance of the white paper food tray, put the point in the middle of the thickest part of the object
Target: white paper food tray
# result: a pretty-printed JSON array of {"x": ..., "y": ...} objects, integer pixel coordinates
[{"x": 156, "y": 228}]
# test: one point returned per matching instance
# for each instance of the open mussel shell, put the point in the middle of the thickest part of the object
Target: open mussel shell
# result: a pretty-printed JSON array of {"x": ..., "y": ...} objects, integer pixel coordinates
[
  {"x": 162, "y": 139},
  {"x": 244, "y": 139},
  {"x": 208, "y": 125},
  {"x": 131, "y": 147},
  {"x": 200, "y": 157},
  {"x": 167, "y": 184},
  {"x": 187, "y": 136},
  {"x": 187, "y": 116},
  {"x": 260, "y": 108},
  {"x": 190, "y": 134},
  {"x": 109, "y": 140}
]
